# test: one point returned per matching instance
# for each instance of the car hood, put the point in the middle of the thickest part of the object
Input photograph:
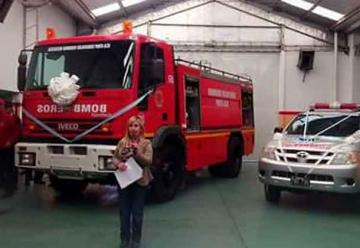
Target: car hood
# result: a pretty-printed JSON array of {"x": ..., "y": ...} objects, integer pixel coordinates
[{"x": 298, "y": 142}]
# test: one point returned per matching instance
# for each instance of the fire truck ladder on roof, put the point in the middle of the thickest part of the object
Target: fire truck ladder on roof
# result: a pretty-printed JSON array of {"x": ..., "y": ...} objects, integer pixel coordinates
[{"x": 213, "y": 70}]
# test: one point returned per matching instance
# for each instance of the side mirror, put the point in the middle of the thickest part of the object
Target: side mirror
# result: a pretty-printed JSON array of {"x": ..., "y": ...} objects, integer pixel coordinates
[
  {"x": 157, "y": 71},
  {"x": 278, "y": 130},
  {"x": 21, "y": 77}
]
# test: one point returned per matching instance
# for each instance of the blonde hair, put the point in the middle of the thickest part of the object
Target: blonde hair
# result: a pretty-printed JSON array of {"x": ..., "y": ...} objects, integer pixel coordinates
[{"x": 132, "y": 119}]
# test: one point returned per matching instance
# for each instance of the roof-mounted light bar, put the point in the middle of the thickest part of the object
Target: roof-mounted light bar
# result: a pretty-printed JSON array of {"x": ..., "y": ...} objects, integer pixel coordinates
[{"x": 335, "y": 105}]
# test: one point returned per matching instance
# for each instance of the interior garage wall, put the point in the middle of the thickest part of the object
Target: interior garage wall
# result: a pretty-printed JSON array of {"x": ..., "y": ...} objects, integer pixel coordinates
[
  {"x": 300, "y": 92},
  {"x": 356, "y": 66},
  {"x": 11, "y": 43},
  {"x": 11, "y": 33},
  {"x": 253, "y": 47}
]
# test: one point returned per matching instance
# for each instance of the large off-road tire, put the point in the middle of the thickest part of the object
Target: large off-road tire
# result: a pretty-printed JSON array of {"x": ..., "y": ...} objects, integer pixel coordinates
[
  {"x": 68, "y": 187},
  {"x": 272, "y": 193},
  {"x": 232, "y": 167},
  {"x": 168, "y": 171}
]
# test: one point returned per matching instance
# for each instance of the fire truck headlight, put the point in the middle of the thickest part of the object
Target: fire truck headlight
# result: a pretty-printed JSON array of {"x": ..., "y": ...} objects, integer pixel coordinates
[
  {"x": 269, "y": 153},
  {"x": 343, "y": 158},
  {"x": 106, "y": 163},
  {"x": 27, "y": 159}
]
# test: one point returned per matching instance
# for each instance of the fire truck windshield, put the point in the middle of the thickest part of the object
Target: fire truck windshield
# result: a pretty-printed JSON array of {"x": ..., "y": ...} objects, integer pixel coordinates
[
  {"x": 98, "y": 65},
  {"x": 325, "y": 124}
]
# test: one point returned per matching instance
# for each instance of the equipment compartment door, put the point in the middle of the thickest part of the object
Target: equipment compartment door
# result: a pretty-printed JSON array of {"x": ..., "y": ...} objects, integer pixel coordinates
[{"x": 192, "y": 103}]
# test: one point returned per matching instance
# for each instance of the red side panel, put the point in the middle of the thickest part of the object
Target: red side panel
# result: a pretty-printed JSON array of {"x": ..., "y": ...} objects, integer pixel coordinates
[
  {"x": 249, "y": 140},
  {"x": 206, "y": 148},
  {"x": 9, "y": 129},
  {"x": 220, "y": 104}
]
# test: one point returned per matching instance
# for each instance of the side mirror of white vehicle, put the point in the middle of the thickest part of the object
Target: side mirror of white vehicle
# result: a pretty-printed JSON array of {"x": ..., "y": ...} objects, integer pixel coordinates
[
  {"x": 277, "y": 136},
  {"x": 278, "y": 130}
]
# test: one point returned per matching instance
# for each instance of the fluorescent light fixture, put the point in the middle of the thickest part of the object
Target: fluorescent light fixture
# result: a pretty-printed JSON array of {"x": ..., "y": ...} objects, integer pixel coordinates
[
  {"x": 128, "y": 3},
  {"x": 299, "y": 3},
  {"x": 106, "y": 9},
  {"x": 328, "y": 13}
]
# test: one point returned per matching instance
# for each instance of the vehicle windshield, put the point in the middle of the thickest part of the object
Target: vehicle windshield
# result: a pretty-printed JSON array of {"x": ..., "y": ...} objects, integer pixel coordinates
[
  {"x": 98, "y": 65},
  {"x": 325, "y": 124}
]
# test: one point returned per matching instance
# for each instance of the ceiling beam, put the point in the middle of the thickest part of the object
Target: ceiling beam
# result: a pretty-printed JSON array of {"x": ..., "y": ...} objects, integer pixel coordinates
[
  {"x": 349, "y": 19},
  {"x": 276, "y": 5},
  {"x": 123, "y": 8},
  {"x": 308, "y": 12},
  {"x": 87, "y": 11}
]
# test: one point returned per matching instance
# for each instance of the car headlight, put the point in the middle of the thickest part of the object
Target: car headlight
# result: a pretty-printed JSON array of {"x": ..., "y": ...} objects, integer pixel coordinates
[
  {"x": 343, "y": 158},
  {"x": 269, "y": 153}
]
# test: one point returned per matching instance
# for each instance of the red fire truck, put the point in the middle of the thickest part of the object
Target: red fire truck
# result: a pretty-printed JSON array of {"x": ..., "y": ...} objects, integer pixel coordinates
[
  {"x": 9, "y": 134},
  {"x": 196, "y": 116}
]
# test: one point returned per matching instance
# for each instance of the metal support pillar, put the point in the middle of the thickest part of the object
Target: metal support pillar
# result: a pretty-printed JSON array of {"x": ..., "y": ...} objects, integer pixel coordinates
[{"x": 335, "y": 69}]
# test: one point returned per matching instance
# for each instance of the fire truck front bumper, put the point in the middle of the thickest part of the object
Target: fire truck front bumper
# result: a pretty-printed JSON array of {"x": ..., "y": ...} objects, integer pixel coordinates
[
  {"x": 293, "y": 177},
  {"x": 80, "y": 161}
]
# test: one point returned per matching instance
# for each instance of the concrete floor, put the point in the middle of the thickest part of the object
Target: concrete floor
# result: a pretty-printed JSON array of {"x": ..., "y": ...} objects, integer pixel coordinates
[{"x": 211, "y": 213}]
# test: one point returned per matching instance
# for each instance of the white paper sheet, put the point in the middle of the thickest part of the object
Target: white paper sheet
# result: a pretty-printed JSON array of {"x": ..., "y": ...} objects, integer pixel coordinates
[{"x": 131, "y": 174}]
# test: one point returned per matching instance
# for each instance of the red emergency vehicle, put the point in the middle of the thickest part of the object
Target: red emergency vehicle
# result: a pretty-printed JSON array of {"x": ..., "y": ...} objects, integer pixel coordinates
[
  {"x": 9, "y": 125},
  {"x": 9, "y": 134},
  {"x": 196, "y": 116}
]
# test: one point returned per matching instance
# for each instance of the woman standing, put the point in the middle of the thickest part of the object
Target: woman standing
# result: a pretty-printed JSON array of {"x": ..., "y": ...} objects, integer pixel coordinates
[{"x": 132, "y": 198}]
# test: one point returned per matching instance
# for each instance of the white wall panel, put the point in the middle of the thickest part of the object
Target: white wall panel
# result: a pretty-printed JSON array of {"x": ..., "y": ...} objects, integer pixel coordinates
[
  {"x": 11, "y": 43},
  {"x": 295, "y": 38},
  {"x": 11, "y": 33},
  {"x": 356, "y": 66},
  {"x": 345, "y": 78},
  {"x": 300, "y": 94}
]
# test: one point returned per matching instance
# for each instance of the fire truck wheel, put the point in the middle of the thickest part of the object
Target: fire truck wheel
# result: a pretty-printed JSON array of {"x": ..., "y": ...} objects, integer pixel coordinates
[
  {"x": 168, "y": 172},
  {"x": 272, "y": 193},
  {"x": 68, "y": 187},
  {"x": 215, "y": 170},
  {"x": 232, "y": 166}
]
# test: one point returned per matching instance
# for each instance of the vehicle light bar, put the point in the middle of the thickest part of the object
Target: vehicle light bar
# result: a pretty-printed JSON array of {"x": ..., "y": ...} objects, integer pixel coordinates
[{"x": 336, "y": 105}]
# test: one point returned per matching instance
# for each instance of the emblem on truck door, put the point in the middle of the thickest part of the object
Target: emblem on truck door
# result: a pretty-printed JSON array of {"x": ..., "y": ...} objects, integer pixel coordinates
[{"x": 302, "y": 156}]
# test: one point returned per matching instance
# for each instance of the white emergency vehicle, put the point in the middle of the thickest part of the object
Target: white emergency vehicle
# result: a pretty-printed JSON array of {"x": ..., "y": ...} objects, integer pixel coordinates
[{"x": 319, "y": 150}]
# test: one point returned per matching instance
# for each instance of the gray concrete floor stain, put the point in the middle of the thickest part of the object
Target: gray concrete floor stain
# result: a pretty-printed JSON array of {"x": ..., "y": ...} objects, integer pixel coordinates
[{"x": 209, "y": 212}]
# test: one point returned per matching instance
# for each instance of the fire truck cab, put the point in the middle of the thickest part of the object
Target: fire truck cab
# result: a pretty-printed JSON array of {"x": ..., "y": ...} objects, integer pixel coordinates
[
  {"x": 196, "y": 116},
  {"x": 319, "y": 150}
]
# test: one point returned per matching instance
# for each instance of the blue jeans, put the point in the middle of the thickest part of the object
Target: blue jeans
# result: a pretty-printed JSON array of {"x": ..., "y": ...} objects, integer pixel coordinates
[{"x": 131, "y": 205}]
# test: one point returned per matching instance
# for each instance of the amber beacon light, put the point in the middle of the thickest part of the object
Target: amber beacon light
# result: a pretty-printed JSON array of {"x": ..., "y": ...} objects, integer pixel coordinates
[
  {"x": 50, "y": 33},
  {"x": 127, "y": 26}
]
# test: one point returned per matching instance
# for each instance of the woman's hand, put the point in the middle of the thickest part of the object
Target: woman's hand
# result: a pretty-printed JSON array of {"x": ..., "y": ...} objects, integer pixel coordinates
[
  {"x": 121, "y": 166},
  {"x": 134, "y": 147}
]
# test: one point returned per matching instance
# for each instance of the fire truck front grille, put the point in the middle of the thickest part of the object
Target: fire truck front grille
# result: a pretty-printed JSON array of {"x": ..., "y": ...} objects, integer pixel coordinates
[
  {"x": 71, "y": 126},
  {"x": 304, "y": 156}
]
